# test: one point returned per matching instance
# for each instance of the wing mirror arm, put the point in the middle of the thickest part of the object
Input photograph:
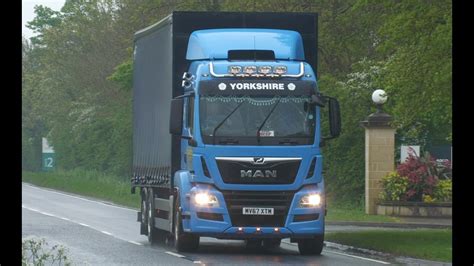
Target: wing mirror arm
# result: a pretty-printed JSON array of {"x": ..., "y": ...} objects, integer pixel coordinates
[{"x": 318, "y": 99}]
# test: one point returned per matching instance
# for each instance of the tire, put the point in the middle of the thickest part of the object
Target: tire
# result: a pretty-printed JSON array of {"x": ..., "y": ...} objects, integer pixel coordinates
[
  {"x": 144, "y": 214},
  {"x": 311, "y": 246},
  {"x": 271, "y": 243},
  {"x": 183, "y": 241}
]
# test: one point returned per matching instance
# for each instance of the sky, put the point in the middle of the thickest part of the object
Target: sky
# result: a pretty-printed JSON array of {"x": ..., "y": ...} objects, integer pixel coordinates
[{"x": 28, "y": 14}]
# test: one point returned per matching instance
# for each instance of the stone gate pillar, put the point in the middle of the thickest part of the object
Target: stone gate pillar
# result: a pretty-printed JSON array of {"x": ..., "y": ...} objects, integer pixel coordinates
[{"x": 379, "y": 154}]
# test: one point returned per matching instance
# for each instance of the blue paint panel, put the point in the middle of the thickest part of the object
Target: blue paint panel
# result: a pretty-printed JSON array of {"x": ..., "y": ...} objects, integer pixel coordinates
[{"x": 215, "y": 43}]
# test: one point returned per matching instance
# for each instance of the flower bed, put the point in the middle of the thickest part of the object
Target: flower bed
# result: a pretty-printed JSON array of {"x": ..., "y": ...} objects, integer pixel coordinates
[{"x": 421, "y": 186}]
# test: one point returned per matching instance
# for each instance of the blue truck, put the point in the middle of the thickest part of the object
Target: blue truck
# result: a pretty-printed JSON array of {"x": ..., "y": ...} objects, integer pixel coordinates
[{"x": 227, "y": 119}]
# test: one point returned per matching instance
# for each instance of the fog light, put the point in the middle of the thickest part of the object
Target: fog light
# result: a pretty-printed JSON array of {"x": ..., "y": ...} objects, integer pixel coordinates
[
  {"x": 258, "y": 229},
  {"x": 312, "y": 200},
  {"x": 240, "y": 229},
  {"x": 276, "y": 229}
]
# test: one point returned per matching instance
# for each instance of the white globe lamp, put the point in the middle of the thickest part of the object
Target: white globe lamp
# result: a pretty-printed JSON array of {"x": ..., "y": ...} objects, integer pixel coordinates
[{"x": 379, "y": 97}]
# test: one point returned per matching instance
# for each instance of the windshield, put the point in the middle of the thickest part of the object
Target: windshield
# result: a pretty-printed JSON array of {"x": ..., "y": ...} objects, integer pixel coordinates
[{"x": 236, "y": 120}]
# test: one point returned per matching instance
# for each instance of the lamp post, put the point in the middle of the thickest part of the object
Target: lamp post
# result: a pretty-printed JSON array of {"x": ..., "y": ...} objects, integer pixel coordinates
[{"x": 379, "y": 150}]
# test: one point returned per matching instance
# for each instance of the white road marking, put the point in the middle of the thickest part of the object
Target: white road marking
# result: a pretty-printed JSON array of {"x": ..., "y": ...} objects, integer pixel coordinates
[
  {"x": 362, "y": 258},
  {"x": 76, "y": 197},
  {"x": 174, "y": 254},
  {"x": 105, "y": 232},
  {"x": 197, "y": 261},
  {"x": 83, "y": 224},
  {"x": 47, "y": 214},
  {"x": 136, "y": 243}
]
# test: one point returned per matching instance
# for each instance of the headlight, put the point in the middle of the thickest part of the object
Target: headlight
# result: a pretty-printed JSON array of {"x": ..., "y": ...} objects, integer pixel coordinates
[
  {"x": 312, "y": 200},
  {"x": 205, "y": 199}
]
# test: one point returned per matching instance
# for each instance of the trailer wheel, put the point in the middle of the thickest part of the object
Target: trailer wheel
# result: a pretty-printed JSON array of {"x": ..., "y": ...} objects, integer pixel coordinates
[
  {"x": 183, "y": 241},
  {"x": 144, "y": 214},
  {"x": 311, "y": 246},
  {"x": 271, "y": 243}
]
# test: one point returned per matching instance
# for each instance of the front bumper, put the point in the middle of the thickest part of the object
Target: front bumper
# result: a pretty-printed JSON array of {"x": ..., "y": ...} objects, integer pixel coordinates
[{"x": 298, "y": 223}]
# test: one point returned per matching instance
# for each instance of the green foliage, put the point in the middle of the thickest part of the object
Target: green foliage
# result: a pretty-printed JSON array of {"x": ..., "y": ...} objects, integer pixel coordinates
[
  {"x": 123, "y": 75},
  {"x": 444, "y": 191},
  {"x": 77, "y": 77},
  {"x": 395, "y": 187},
  {"x": 36, "y": 252},
  {"x": 418, "y": 179}
]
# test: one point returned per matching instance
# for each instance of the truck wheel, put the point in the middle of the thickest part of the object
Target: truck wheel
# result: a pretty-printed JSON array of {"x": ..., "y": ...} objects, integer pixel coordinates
[
  {"x": 144, "y": 214},
  {"x": 271, "y": 243},
  {"x": 311, "y": 246},
  {"x": 183, "y": 241}
]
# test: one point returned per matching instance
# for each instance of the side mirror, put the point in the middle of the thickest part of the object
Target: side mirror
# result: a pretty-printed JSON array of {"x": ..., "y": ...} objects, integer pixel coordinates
[
  {"x": 176, "y": 116},
  {"x": 334, "y": 117}
]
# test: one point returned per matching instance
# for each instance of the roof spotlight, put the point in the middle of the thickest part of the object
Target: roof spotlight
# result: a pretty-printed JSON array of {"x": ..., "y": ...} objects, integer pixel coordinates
[
  {"x": 250, "y": 70},
  {"x": 265, "y": 70},
  {"x": 234, "y": 70},
  {"x": 280, "y": 70}
]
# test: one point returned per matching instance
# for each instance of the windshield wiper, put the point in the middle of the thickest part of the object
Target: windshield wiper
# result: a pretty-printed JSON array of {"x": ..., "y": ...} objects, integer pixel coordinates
[
  {"x": 265, "y": 120},
  {"x": 289, "y": 141},
  {"x": 228, "y": 141},
  {"x": 222, "y": 122}
]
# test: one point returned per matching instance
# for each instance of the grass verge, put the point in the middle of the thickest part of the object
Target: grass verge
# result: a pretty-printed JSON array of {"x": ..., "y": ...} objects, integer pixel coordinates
[
  {"x": 354, "y": 213},
  {"x": 87, "y": 183},
  {"x": 430, "y": 244}
]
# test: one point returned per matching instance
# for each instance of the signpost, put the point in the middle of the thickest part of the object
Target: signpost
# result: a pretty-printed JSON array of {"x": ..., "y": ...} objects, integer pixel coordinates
[{"x": 49, "y": 160}]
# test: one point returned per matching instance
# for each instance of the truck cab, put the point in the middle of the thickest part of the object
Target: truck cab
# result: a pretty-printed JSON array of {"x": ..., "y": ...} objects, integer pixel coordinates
[{"x": 250, "y": 132}]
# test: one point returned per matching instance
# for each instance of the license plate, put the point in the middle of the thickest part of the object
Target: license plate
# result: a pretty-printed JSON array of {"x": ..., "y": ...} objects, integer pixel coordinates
[{"x": 257, "y": 211}]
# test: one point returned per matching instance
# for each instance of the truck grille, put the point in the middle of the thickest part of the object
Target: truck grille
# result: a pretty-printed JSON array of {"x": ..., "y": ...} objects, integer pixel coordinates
[
  {"x": 244, "y": 171},
  {"x": 279, "y": 200}
]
